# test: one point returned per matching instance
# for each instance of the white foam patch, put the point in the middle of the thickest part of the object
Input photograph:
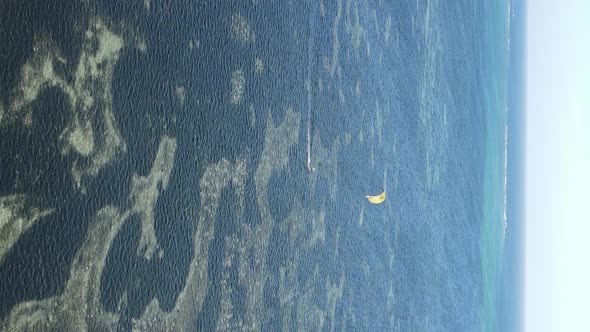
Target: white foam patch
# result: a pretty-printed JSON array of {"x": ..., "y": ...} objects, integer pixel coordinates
[
  {"x": 288, "y": 287},
  {"x": 258, "y": 66},
  {"x": 81, "y": 138},
  {"x": 1, "y": 112},
  {"x": 372, "y": 129},
  {"x": 309, "y": 316},
  {"x": 275, "y": 157},
  {"x": 375, "y": 20},
  {"x": 37, "y": 74},
  {"x": 17, "y": 215},
  {"x": 349, "y": 311},
  {"x": 432, "y": 112},
  {"x": 328, "y": 158},
  {"x": 190, "y": 301},
  {"x": 292, "y": 294},
  {"x": 362, "y": 215},
  {"x": 334, "y": 162},
  {"x": 145, "y": 193},
  {"x": 192, "y": 44},
  {"x": 89, "y": 95},
  {"x": 387, "y": 109},
  {"x": 249, "y": 251},
  {"x": 252, "y": 114},
  {"x": 318, "y": 225},
  {"x": 387, "y": 32},
  {"x": 390, "y": 305},
  {"x": 335, "y": 40},
  {"x": 337, "y": 243},
  {"x": 180, "y": 92},
  {"x": 379, "y": 121},
  {"x": 347, "y": 20},
  {"x": 427, "y": 19},
  {"x": 366, "y": 269},
  {"x": 333, "y": 295},
  {"x": 353, "y": 27},
  {"x": 357, "y": 31},
  {"x": 237, "y": 86},
  {"x": 241, "y": 30},
  {"x": 347, "y": 138},
  {"x": 294, "y": 223},
  {"x": 227, "y": 321},
  {"x": 79, "y": 308}
]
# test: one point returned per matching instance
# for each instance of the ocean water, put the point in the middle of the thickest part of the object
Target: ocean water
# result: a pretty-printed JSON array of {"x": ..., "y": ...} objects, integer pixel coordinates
[
  {"x": 495, "y": 191},
  {"x": 406, "y": 96}
]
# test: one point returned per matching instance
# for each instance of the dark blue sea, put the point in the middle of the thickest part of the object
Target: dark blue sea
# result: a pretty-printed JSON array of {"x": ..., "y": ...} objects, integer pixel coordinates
[{"x": 407, "y": 97}]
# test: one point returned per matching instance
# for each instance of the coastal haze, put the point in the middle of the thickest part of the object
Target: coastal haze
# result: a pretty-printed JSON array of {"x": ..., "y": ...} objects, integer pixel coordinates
[{"x": 204, "y": 165}]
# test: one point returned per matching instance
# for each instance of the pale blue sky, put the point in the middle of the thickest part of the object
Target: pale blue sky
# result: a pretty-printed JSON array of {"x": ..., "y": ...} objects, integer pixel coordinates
[{"x": 557, "y": 241}]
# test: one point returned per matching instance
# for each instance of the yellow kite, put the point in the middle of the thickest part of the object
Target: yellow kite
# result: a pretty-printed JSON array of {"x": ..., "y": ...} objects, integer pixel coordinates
[{"x": 377, "y": 199}]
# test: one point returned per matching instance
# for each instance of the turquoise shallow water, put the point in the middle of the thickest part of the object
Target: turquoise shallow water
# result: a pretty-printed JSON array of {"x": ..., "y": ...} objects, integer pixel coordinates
[{"x": 496, "y": 106}]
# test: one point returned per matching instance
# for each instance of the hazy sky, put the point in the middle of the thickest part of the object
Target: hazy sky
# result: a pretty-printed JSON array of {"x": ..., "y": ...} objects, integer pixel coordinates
[{"x": 557, "y": 268}]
